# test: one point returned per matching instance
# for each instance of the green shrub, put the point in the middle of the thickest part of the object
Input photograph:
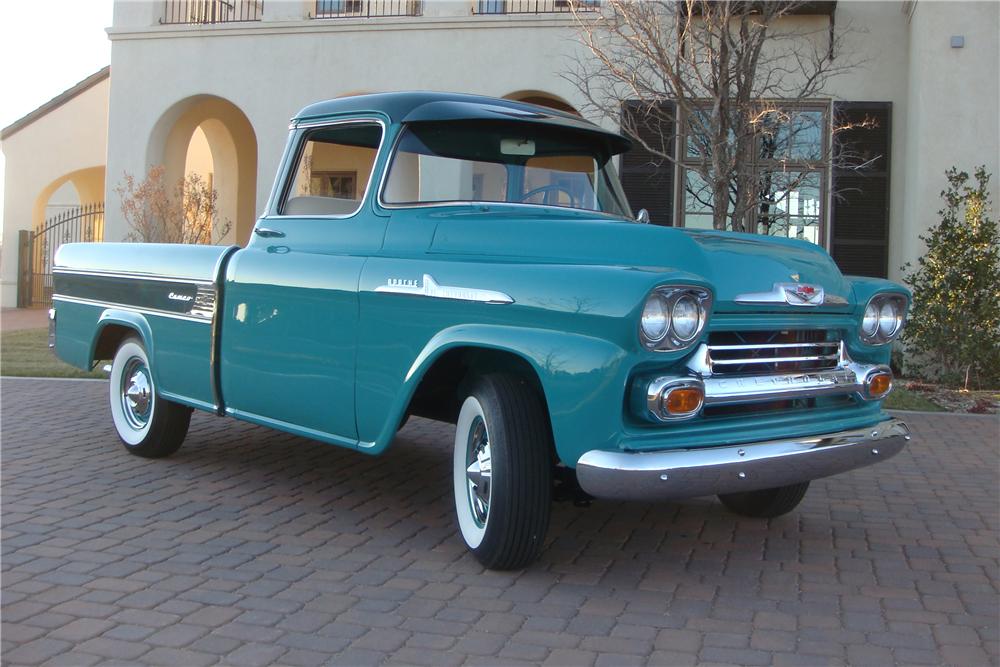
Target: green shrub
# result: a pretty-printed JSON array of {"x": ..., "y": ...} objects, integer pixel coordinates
[{"x": 954, "y": 325}]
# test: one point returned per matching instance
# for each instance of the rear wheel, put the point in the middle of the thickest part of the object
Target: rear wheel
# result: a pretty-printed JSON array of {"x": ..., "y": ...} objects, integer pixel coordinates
[
  {"x": 147, "y": 424},
  {"x": 765, "y": 503},
  {"x": 502, "y": 472}
]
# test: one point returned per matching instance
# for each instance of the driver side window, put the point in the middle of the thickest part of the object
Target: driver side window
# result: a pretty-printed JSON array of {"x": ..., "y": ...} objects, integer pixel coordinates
[{"x": 332, "y": 171}]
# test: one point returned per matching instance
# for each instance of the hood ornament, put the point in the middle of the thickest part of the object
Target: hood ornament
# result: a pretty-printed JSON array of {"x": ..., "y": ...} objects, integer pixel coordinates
[
  {"x": 793, "y": 294},
  {"x": 795, "y": 277}
]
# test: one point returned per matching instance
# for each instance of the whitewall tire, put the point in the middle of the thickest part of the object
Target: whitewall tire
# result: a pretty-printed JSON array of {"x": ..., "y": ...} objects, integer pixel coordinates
[
  {"x": 147, "y": 424},
  {"x": 472, "y": 472},
  {"x": 502, "y": 472}
]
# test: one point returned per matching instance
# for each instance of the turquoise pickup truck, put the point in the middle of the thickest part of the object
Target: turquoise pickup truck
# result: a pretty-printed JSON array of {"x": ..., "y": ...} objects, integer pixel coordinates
[{"x": 474, "y": 260}]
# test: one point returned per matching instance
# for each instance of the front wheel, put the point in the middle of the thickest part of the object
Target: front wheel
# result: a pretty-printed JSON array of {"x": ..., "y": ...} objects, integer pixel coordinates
[
  {"x": 765, "y": 503},
  {"x": 148, "y": 424},
  {"x": 502, "y": 472}
]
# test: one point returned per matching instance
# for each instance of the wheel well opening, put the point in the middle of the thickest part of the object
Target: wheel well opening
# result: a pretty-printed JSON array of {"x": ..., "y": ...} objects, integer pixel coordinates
[
  {"x": 445, "y": 385},
  {"x": 108, "y": 341}
]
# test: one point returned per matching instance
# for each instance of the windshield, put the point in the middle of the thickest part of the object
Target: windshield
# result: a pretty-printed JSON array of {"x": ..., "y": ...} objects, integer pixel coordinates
[{"x": 516, "y": 163}]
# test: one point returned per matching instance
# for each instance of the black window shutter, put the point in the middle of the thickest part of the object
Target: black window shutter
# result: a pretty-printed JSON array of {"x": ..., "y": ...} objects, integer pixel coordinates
[
  {"x": 648, "y": 178},
  {"x": 859, "y": 236}
]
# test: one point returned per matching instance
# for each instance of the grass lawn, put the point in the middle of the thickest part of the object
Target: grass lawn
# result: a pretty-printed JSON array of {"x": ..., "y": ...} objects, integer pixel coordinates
[
  {"x": 902, "y": 398},
  {"x": 27, "y": 353}
]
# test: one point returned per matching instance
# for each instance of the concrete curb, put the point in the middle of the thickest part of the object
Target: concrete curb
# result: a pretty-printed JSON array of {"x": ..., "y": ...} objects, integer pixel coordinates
[
  {"x": 942, "y": 412},
  {"x": 31, "y": 377}
]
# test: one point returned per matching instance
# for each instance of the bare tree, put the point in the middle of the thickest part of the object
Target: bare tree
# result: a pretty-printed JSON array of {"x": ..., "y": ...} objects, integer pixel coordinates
[
  {"x": 187, "y": 213},
  {"x": 727, "y": 76}
]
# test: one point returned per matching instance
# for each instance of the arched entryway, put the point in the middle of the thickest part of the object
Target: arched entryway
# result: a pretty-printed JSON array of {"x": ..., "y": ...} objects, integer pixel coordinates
[
  {"x": 543, "y": 99},
  {"x": 77, "y": 188},
  {"x": 69, "y": 209},
  {"x": 211, "y": 137}
]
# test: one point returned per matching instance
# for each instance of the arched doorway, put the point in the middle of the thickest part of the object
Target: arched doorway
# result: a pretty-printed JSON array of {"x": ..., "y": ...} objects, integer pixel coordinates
[
  {"x": 211, "y": 138},
  {"x": 542, "y": 99},
  {"x": 70, "y": 209}
]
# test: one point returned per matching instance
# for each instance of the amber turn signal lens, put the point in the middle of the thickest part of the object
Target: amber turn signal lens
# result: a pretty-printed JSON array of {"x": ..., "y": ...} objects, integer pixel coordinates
[
  {"x": 879, "y": 384},
  {"x": 683, "y": 400}
]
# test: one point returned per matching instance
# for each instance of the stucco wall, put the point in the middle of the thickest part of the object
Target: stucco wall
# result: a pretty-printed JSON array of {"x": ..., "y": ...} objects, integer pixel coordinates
[
  {"x": 68, "y": 143},
  {"x": 954, "y": 107},
  {"x": 446, "y": 49},
  {"x": 302, "y": 62},
  {"x": 944, "y": 100}
]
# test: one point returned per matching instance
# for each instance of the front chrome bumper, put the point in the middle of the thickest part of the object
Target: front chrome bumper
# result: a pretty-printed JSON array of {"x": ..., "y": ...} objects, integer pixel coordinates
[{"x": 687, "y": 473}]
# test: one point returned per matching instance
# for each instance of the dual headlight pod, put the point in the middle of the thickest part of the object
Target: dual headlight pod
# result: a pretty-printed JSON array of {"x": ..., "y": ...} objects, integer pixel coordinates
[
  {"x": 673, "y": 317},
  {"x": 883, "y": 319}
]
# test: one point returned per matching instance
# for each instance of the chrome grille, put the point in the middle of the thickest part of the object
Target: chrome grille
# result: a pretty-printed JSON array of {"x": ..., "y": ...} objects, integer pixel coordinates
[{"x": 771, "y": 352}]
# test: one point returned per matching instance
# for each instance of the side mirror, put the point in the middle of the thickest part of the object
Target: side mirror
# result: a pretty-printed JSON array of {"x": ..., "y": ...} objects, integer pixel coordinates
[{"x": 642, "y": 217}]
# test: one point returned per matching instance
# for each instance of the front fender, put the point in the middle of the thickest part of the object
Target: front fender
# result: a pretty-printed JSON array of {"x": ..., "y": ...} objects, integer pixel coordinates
[
  {"x": 583, "y": 379},
  {"x": 864, "y": 289}
]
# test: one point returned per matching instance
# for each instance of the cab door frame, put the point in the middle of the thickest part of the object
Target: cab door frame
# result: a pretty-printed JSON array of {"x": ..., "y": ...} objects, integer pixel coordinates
[{"x": 288, "y": 347}]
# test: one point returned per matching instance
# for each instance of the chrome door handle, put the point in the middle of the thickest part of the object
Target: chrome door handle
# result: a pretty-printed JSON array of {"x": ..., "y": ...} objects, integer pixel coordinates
[{"x": 268, "y": 233}]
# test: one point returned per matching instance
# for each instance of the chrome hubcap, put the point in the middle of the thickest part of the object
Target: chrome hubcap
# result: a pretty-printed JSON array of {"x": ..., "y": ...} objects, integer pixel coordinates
[
  {"x": 479, "y": 472},
  {"x": 137, "y": 393}
]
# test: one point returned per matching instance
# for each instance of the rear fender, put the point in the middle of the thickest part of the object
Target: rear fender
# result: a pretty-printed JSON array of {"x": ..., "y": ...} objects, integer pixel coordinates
[
  {"x": 583, "y": 379},
  {"x": 130, "y": 320}
]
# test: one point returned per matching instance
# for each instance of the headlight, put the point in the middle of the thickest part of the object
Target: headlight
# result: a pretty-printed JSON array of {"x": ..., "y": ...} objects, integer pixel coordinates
[
  {"x": 883, "y": 319},
  {"x": 869, "y": 325},
  {"x": 655, "y": 320},
  {"x": 686, "y": 317},
  {"x": 673, "y": 316}
]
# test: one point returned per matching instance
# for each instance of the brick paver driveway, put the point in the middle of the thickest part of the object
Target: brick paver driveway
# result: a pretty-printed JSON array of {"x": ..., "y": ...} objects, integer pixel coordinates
[{"x": 254, "y": 547}]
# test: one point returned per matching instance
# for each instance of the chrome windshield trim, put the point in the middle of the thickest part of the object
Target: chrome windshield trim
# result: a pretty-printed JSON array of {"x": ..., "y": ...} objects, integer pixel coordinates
[
  {"x": 689, "y": 473},
  {"x": 466, "y": 203}
]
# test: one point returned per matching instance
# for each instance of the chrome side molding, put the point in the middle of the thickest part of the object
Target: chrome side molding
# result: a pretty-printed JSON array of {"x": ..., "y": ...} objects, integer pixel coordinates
[{"x": 430, "y": 288}]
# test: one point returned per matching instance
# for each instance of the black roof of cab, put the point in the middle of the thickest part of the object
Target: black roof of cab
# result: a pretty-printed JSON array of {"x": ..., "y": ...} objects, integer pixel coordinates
[{"x": 422, "y": 106}]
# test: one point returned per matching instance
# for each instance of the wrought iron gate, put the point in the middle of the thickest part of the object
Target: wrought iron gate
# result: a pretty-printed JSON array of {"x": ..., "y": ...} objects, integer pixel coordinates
[{"x": 38, "y": 249}]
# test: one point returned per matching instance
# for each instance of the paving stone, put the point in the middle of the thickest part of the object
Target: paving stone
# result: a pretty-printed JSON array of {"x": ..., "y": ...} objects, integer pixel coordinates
[
  {"x": 176, "y": 636},
  {"x": 36, "y": 651},
  {"x": 177, "y": 656},
  {"x": 256, "y": 654},
  {"x": 255, "y": 547},
  {"x": 107, "y": 647},
  {"x": 80, "y": 629}
]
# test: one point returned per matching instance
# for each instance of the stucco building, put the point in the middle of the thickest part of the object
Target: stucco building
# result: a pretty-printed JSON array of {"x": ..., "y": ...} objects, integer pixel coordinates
[{"x": 209, "y": 86}]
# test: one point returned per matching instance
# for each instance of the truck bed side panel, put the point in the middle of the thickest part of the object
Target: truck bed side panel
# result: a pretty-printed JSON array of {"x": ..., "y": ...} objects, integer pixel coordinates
[{"x": 166, "y": 293}]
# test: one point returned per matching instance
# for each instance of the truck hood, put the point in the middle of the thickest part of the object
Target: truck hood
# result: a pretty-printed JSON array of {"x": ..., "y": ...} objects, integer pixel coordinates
[{"x": 733, "y": 264}]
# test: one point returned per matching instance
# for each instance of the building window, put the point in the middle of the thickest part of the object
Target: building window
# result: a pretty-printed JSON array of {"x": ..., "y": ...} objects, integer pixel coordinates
[
  {"x": 790, "y": 168},
  {"x": 341, "y": 184}
]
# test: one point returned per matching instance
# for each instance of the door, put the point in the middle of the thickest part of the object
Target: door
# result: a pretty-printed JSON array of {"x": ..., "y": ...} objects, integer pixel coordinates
[{"x": 288, "y": 342}]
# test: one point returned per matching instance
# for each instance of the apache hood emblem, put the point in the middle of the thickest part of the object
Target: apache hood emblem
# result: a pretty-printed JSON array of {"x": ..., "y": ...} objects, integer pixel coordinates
[{"x": 431, "y": 288}]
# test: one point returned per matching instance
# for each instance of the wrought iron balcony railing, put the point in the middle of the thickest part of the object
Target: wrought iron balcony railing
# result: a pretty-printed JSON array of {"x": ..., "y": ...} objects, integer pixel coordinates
[
  {"x": 535, "y": 6},
  {"x": 211, "y": 11},
  {"x": 346, "y": 9}
]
